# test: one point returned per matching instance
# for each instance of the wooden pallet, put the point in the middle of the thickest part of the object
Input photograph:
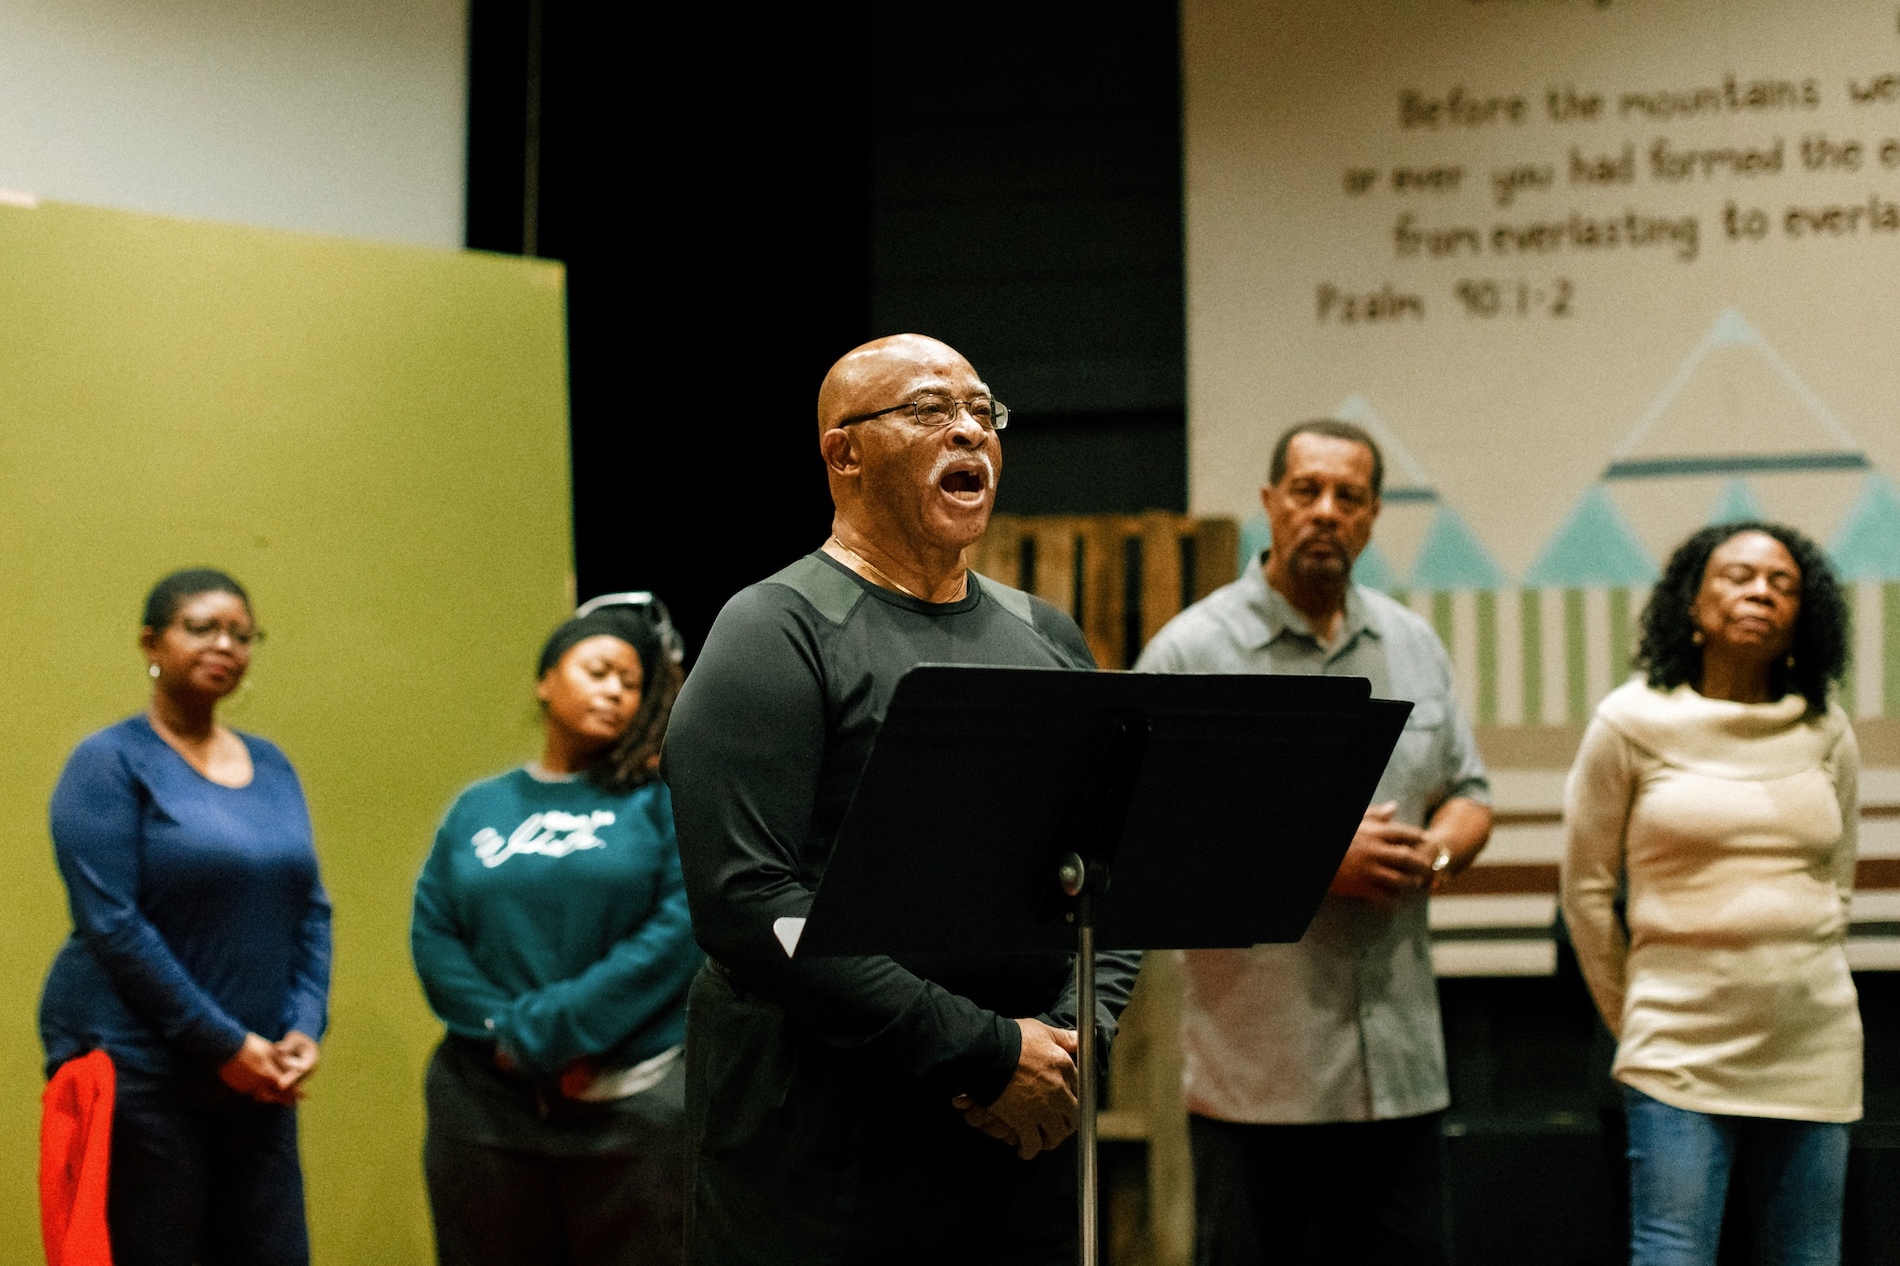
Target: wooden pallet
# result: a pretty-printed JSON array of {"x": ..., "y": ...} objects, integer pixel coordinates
[{"x": 1120, "y": 576}]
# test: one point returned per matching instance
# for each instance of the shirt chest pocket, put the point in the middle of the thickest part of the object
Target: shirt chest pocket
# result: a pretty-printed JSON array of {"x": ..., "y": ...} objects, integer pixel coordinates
[
  {"x": 1415, "y": 775},
  {"x": 1429, "y": 718}
]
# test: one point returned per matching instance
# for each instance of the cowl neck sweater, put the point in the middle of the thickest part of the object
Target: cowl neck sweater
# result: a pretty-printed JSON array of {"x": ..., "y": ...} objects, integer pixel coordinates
[
  {"x": 1709, "y": 860},
  {"x": 1718, "y": 738}
]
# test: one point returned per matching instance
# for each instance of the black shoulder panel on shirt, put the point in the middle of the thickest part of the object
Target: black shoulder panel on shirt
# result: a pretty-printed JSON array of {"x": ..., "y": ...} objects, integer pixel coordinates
[
  {"x": 1014, "y": 601},
  {"x": 831, "y": 593},
  {"x": 1051, "y": 625},
  {"x": 1056, "y": 626}
]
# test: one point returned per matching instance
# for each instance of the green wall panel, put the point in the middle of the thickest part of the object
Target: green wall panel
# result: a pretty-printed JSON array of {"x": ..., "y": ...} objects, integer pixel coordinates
[{"x": 374, "y": 440}]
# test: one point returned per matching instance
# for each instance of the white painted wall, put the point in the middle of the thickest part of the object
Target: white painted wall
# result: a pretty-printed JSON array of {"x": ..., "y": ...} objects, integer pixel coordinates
[{"x": 332, "y": 116}]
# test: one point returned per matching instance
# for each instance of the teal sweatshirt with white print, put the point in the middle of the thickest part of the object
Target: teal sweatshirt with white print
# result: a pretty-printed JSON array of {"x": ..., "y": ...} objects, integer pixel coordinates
[{"x": 551, "y": 918}]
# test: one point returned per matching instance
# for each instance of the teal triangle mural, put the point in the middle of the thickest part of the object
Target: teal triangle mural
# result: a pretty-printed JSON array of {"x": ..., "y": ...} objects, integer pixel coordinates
[
  {"x": 1594, "y": 547},
  {"x": 1736, "y": 502},
  {"x": 1372, "y": 570},
  {"x": 1868, "y": 545},
  {"x": 1452, "y": 558},
  {"x": 1255, "y": 536}
]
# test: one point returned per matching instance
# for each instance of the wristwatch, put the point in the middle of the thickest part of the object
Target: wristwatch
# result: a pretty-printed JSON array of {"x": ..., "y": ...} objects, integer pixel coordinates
[{"x": 1441, "y": 862}]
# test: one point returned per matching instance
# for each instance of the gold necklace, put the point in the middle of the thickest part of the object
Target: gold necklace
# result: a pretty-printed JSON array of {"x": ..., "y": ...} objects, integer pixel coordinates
[{"x": 877, "y": 575}]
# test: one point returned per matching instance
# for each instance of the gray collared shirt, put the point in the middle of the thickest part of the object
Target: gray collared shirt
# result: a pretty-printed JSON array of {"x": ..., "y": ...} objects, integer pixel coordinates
[{"x": 1343, "y": 1025}]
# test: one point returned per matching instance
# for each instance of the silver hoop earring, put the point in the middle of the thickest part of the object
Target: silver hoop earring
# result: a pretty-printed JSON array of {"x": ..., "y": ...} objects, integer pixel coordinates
[{"x": 154, "y": 670}]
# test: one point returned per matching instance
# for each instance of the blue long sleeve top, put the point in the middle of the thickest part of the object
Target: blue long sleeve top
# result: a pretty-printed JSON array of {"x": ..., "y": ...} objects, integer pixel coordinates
[
  {"x": 551, "y": 918},
  {"x": 198, "y": 913}
]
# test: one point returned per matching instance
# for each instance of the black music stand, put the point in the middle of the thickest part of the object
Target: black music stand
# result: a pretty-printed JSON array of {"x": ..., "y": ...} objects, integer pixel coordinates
[{"x": 1220, "y": 806}]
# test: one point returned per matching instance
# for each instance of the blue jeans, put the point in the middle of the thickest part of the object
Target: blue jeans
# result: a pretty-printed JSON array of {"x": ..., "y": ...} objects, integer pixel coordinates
[{"x": 1793, "y": 1173}]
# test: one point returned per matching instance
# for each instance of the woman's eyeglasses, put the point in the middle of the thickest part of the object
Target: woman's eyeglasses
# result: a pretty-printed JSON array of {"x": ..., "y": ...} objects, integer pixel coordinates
[{"x": 208, "y": 630}]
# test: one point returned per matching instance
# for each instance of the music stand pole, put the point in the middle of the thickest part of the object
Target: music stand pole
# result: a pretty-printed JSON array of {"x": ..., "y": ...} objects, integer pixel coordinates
[{"x": 1078, "y": 883}]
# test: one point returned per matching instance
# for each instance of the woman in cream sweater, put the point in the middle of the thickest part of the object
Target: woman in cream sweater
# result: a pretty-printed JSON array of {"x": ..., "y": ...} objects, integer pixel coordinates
[{"x": 1710, "y": 828}]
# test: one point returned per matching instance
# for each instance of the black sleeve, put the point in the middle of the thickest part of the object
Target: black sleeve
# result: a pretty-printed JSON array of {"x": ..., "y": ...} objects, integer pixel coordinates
[
  {"x": 744, "y": 751},
  {"x": 1115, "y": 972}
]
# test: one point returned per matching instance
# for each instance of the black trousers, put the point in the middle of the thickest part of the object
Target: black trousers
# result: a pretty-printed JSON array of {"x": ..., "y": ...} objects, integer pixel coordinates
[
  {"x": 1349, "y": 1193},
  {"x": 201, "y": 1174},
  {"x": 798, "y": 1155},
  {"x": 499, "y": 1206}
]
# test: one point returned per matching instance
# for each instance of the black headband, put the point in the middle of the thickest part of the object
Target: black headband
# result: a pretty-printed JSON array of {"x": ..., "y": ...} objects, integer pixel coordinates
[{"x": 638, "y": 619}]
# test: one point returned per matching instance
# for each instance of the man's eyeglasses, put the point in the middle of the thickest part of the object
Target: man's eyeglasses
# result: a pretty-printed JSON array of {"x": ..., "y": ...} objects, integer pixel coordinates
[
  {"x": 656, "y": 613},
  {"x": 931, "y": 412},
  {"x": 208, "y": 630}
]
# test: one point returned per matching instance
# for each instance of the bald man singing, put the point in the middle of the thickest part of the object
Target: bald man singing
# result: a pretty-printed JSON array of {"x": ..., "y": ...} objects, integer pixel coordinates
[{"x": 867, "y": 1110}]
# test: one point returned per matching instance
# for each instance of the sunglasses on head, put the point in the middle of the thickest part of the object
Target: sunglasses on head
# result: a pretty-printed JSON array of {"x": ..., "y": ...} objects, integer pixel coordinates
[{"x": 655, "y": 611}]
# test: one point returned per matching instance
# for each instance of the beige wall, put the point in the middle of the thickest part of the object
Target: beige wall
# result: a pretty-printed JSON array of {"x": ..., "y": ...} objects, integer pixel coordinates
[
  {"x": 1513, "y": 416},
  {"x": 1391, "y": 216},
  {"x": 330, "y": 116}
]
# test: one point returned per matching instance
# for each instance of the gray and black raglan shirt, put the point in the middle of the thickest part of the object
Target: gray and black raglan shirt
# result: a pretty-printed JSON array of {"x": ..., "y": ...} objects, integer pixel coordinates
[{"x": 764, "y": 750}]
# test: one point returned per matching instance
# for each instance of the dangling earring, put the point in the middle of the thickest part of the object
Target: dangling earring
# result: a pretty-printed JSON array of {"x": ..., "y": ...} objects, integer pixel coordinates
[
  {"x": 1790, "y": 661},
  {"x": 154, "y": 670},
  {"x": 1696, "y": 637}
]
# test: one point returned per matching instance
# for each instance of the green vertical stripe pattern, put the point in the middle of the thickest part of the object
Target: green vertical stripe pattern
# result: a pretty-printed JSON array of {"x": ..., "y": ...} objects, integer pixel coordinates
[
  {"x": 1890, "y": 637},
  {"x": 1531, "y": 621},
  {"x": 1574, "y": 663},
  {"x": 1441, "y": 620},
  {"x": 1487, "y": 657},
  {"x": 1619, "y": 636}
]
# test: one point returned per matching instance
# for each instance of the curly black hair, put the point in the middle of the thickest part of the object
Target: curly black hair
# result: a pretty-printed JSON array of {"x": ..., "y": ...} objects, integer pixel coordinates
[
  {"x": 1669, "y": 655},
  {"x": 634, "y": 760}
]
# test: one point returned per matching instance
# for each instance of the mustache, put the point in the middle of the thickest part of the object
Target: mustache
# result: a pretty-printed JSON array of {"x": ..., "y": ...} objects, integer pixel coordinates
[{"x": 946, "y": 460}]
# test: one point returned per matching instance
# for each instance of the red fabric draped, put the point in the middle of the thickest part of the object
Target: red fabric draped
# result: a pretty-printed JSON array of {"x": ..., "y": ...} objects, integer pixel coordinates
[{"x": 75, "y": 1157}]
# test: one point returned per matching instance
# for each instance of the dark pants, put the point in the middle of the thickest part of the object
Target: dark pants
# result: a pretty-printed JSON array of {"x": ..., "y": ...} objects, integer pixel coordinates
[
  {"x": 1339, "y": 1194},
  {"x": 202, "y": 1174},
  {"x": 798, "y": 1155},
  {"x": 500, "y": 1206}
]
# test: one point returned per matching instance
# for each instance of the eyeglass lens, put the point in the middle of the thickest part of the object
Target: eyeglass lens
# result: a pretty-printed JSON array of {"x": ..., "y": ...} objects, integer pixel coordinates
[
  {"x": 206, "y": 631},
  {"x": 942, "y": 411}
]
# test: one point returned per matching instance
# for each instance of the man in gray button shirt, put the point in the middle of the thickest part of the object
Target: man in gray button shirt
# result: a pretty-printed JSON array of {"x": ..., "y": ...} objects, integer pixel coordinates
[{"x": 1315, "y": 1072}]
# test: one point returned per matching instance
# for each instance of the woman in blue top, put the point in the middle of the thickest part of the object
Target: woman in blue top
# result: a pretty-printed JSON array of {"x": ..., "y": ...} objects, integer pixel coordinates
[
  {"x": 552, "y": 938},
  {"x": 200, "y": 953}
]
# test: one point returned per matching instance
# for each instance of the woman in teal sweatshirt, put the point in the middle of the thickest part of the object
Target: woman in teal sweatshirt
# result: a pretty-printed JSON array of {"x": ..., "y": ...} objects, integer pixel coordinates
[{"x": 552, "y": 938}]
